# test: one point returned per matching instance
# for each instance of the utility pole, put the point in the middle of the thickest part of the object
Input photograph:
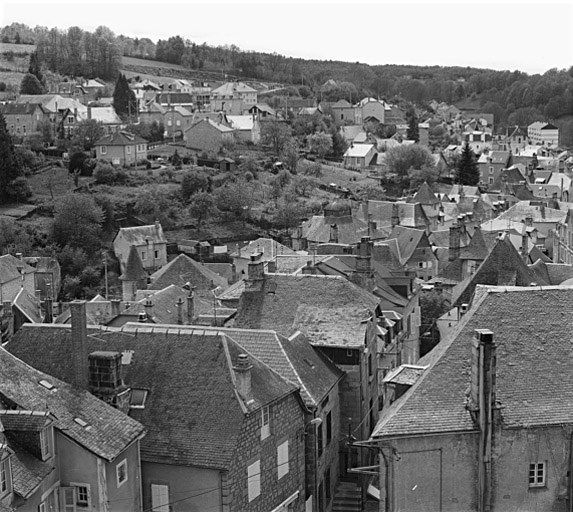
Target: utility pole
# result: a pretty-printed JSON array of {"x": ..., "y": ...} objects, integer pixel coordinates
[{"x": 105, "y": 274}]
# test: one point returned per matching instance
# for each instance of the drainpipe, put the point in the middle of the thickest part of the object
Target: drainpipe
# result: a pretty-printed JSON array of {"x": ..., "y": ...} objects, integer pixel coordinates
[{"x": 571, "y": 472}]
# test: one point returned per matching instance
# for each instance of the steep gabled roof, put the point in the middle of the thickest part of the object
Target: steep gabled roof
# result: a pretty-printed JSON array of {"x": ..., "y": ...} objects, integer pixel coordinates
[
  {"x": 111, "y": 431},
  {"x": 503, "y": 266},
  {"x": 9, "y": 268},
  {"x": 138, "y": 235},
  {"x": 193, "y": 412},
  {"x": 477, "y": 248},
  {"x": 318, "y": 229},
  {"x": 425, "y": 195},
  {"x": 120, "y": 139},
  {"x": 408, "y": 239},
  {"x": 184, "y": 269},
  {"x": 532, "y": 331},
  {"x": 133, "y": 267}
]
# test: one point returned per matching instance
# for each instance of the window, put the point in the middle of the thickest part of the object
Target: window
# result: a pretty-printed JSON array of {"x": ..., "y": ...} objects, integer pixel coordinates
[
  {"x": 537, "y": 474},
  {"x": 490, "y": 169},
  {"x": 121, "y": 472},
  {"x": 490, "y": 181},
  {"x": 70, "y": 119},
  {"x": 4, "y": 475},
  {"x": 137, "y": 398},
  {"x": 82, "y": 495},
  {"x": 142, "y": 255},
  {"x": 319, "y": 438},
  {"x": 282, "y": 459},
  {"x": 156, "y": 254},
  {"x": 178, "y": 122},
  {"x": 370, "y": 365},
  {"x": 265, "y": 422},
  {"x": 160, "y": 497},
  {"x": 103, "y": 150},
  {"x": 46, "y": 443},
  {"x": 327, "y": 488},
  {"x": 42, "y": 507},
  {"x": 128, "y": 149},
  {"x": 169, "y": 122},
  {"x": 254, "y": 480},
  {"x": 328, "y": 428}
]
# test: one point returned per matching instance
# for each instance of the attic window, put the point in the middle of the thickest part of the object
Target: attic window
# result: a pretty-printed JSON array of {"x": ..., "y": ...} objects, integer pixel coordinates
[
  {"x": 46, "y": 384},
  {"x": 126, "y": 357},
  {"x": 137, "y": 399}
]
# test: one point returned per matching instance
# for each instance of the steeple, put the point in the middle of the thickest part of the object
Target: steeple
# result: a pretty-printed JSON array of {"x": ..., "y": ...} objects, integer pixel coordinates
[{"x": 134, "y": 277}]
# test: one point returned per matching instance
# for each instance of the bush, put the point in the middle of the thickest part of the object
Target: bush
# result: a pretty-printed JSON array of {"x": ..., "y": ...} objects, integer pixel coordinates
[{"x": 106, "y": 174}]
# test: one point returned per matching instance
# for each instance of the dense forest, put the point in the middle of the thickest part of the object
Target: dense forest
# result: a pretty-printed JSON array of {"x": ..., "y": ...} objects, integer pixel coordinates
[{"x": 513, "y": 97}]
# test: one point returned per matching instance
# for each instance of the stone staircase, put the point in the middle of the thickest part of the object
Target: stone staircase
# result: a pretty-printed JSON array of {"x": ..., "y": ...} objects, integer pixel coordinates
[{"x": 347, "y": 498}]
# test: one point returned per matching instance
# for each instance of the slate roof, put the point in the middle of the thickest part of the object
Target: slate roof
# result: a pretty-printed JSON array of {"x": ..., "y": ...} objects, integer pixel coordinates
[
  {"x": 120, "y": 139},
  {"x": 503, "y": 266},
  {"x": 246, "y": 122},
  {"x": 425, "y": 195},
  {"x": 559, "y": 272},
  {"x": 287, "y": 303},
  {"x": 411, "y": 215},
  {"x": 184, "y": 269},
  {"x": 289, "y": 264},
  {"x": 193, "y": 413},
  {"x": 19, "y": 108},
  {"x": 229, "y": 88},
  {"x": 218, "y": 126},
  {"x": 28, "y": 305},
  {"x": 134, "y": 270},
  {"x": 350, "y": 229},
  {"x": 406, "y": 374},
  {"x": 166, "y": 98},
  {"x": 532, "y": 331},
  {"x": 358, "y": 150},
  {"x": 269, "y": 248},
  {"x": 225, "y": 270},
  {"x": 9, "y": 268},
  {"x": 137, "y": 235},
  {"x": 477, "y": 248},
  {"x": 28, "y": 472},
  {"x": 110, "y": 430},
  {"x": 523, "y": 209},
  {"x": 408, "y": 240}
]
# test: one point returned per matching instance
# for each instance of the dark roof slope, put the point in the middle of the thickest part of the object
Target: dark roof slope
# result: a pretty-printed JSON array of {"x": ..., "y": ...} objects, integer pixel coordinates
[
  {"x": 425, "y": 195},
  {"x": 111, "y": 431},
  {"x": 184, "y": 269},
  {"x": 134, "y": 267},
  {"x": 532, "y": 331},
  {"x": 9, "y": 268},
  {"x": 120, "y": 139},
  {"x": 193, "y": 413}
]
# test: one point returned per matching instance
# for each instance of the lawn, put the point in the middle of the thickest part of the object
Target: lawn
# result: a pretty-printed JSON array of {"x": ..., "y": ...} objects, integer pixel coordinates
[{"x": 52, "y": 182}]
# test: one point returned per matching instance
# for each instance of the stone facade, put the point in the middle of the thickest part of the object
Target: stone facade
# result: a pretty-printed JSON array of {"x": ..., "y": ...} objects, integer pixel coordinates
[{"x": 286, "y": 424}]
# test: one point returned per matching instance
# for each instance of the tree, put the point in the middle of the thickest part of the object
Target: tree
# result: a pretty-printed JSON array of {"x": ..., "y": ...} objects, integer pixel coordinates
[
  {"x": 339, "y": 145},
  {"x": 44, "y": 127},
  {"x": 193, "y": 182},
  {"x": 467, "y": 172},
  {"x": 320, "y": 143},
  {"x": 401, "y": 159},
  {"x": 10, "y": 168},
  {"x": 87, "y": 134},
  {"x": 124, "y": 101},
  {"x": 35, "y": 68},
  {"x": 419, "y": 176},
  {"x": 290, "y": 154},
  {"x": 432, "y": 306},
  {"x": 235, "y": 199},
  {"x": 275, "y": 134},
  {"x": 77, "y": 222},
  {"x": 201, "y": 206},
  {"x": 31, "y": 85},
  {"x": 413, "y": 131}
]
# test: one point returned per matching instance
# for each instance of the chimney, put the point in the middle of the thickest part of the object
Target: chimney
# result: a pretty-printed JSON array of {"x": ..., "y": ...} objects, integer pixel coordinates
[
  {"x": 542, "y": 210},
  {"x": 149, "y": 308},
  {"x": 79, "y": 342},
  {"x": 157, "y": 226},
  {"x": 142, "y": 317},
  {"x": 308, "y": 269},
  {"x": 395, "y": 219},
  {"x": 190, "y": 307},
  {"x": 333, "y": 233},
  {"x": 524, "y": 246},
  {"x": 180, "y": 311},
  {"x": 371, "y": 225},
  {"x": 256, "y": 269},
  {"x": 48, "y": 310},
  {"x": 106, "y": 379},
  {"x": 363, "y": 261},
  {"x": 271, "y": 266},
  {"x": 481, "y": 404},
  {"x": 529, "y": 221},
  {"x": 89, "y": 112},
  {"x": 115, "y": 304},
  {"x": 243, "y": 376},
  {"x": 455, "y": 234}
]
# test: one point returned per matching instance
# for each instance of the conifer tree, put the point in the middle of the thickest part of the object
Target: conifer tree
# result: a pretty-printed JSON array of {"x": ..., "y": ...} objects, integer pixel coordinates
[
  {"x": 413, "y": 132},
  {"x": 31, "y": 85},
  {"x": 9, "y": 166},
  {"x": 124, "y": 100},
  {"x": 467, "y": 172},
  {"x": 35, "y": 68}
]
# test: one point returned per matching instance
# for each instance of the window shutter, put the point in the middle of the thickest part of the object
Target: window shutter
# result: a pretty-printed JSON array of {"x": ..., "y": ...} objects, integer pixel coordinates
[
  {"x": 254, "y": 480},
  {"x": 282, "y": 459},
  {"x": 68, "y": 499},
  {"x": 160, "y": 498}
]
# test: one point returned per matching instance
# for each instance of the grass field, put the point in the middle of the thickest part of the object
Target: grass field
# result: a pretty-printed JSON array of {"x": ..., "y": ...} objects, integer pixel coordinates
[{"x": 54, "y": 181}]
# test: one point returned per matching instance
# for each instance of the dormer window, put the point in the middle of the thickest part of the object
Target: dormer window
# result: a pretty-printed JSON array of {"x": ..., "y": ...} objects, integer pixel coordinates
[
  {"x": 265, "y": 422},
  {"x": 137, "y": 399}
]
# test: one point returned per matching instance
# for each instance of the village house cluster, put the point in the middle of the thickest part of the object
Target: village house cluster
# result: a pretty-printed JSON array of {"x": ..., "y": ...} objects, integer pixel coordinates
[{"x": 301, "y": 376}]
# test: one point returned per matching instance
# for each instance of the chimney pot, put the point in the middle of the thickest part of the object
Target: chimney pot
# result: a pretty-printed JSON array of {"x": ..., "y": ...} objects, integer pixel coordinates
[
  {"x": 142, "y": 318},
  {"x": 243, "y": 376}
]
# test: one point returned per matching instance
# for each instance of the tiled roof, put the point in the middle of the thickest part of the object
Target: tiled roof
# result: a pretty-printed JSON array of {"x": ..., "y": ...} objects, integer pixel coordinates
[
  {"x": 523, "y": 209},
  {"x": 9, "y": 268},
  {"x": 287, "y": 303},
  {"x": 411, "y": 215},
  {"x": 110, "y": 430},
  {"x": 184, "y": 269},
  {"x": 193, "y": 413},
  {"x": 477, "y": 248},
  {"x": 137, "y": 235},
  {"x": 425, "y": 195},
  {"x": 246, "y": 122},
  {"x": 28, "y": 472},
  {"x": 19, "y": 108},
  {"x": 318, "y": 229},
  {"x": 269, "y": 248},
  {"x": 105, "y": 115},
  {"x": 28, "y": 305},
  {"x": 220, "y": 127},
  {"x": 559, "y": 272},
  {"x": 408, "y": 240},
  {"x": 532, "y": 331},
  {"x": 134, "y": 268},
  {"x": 230, "y": 88},
  {"x": 120, "y": 139}
]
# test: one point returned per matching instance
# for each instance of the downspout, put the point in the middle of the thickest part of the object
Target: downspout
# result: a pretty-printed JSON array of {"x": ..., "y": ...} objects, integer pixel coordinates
[{"x": 571, "y": 472}]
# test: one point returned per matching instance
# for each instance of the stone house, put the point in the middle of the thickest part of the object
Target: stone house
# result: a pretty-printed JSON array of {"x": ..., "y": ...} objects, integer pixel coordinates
[
  {"x": 22, "y": 118},
  {"x": 175, "y": 99},
  {"x": 543, "y": 134},
  {"x": 176, "y": 120},
  {"x": 370, "y": 109},
  {"x": 62, "y": 446},
  {"x": 247, "y": 128},
  {"x": 415, "y": 251},
  {"x": 491, "y": 164},
  {"x": 208, "y": 135},
  {"x": 233, "y": 98},
  {"x": 467, "y": 431},
  {"x": 121, "y": 148},
  {"x": 360, "y": 156},
  {"x": 149, "y": 241},
  {"x": 344, "y": 112},
  {"x": 225, "y": 430}
]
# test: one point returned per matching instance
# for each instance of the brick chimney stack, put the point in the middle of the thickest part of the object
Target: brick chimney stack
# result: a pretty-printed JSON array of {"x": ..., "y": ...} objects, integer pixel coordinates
[
  {"x": 79, "y": 343},
  {"x": 256, "y": 269},
  {"x": 364, "y": 259},
  {"x": 524, "y": 246},
  {"x": 191, "y": 306},
  {"x": 395, "y": 219},
  {"x": 180, "y": 311},
  {"x": 243, "y": 376},
  {"x": 455, "y": 235}
]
